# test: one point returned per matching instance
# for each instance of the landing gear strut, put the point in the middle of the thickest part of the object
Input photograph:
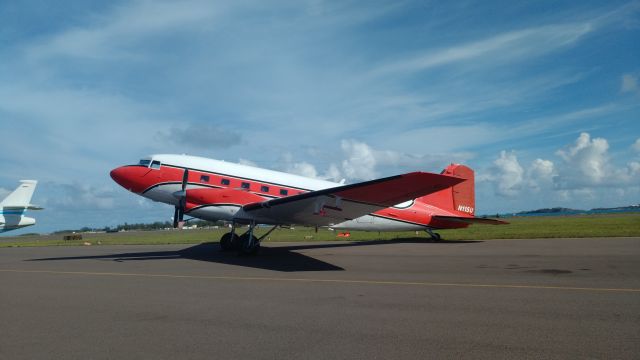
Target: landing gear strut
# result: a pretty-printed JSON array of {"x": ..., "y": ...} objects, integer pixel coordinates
[
  {"x": 434, "y": 236},
  {"x": 229, "y": 240},
  {"x": 246, "y": 244}
]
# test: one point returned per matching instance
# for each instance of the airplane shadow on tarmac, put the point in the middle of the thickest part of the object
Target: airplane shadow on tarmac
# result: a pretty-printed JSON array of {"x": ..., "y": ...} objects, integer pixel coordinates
[{"x": 279, "y": 258}]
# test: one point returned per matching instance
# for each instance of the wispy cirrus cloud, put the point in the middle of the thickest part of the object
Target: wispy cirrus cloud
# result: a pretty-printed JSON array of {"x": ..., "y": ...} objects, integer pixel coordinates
[
  {"x": 117, "y": 33},
  {"x": 495, "y": 50}
]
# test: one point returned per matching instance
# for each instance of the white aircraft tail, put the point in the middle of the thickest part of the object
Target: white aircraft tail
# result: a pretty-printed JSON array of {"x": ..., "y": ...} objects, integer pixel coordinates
[{"x": 20, "y": 198}]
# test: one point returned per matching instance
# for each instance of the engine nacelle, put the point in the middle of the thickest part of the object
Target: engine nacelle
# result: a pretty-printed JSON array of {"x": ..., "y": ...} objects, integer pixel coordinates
[{"x": 207, "y": 196}]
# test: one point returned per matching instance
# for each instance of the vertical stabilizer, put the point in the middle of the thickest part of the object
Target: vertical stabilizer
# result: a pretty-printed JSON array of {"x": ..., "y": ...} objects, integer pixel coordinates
[
  {"x": 20, "y": 197},
  {"x": 459, "y": 198}
]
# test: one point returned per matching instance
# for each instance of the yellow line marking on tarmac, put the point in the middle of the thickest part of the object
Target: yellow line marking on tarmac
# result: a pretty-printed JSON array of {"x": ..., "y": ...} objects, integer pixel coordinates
[{"x": 335, "y": 281}]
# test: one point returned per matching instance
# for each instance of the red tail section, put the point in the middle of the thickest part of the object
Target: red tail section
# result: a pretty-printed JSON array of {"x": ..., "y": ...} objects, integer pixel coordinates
[{"x": 458, "y": 199}]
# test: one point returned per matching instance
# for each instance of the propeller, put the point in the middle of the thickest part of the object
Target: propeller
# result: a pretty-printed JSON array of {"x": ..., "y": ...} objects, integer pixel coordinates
[{"x": 178, "y": 215}]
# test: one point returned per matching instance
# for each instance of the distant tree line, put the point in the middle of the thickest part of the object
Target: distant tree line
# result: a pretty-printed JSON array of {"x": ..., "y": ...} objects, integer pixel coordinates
[{"x": 158, "y": 225}]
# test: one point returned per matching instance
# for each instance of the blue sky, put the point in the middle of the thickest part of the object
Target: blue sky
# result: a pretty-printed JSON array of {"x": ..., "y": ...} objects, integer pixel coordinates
[{"x": 542, "y": 99}]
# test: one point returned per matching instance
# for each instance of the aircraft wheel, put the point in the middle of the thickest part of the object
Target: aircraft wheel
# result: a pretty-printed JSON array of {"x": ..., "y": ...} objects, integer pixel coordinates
[
  {"x": 436, "y": 237},
  {"x": 245, "y": 249},
  {"x": 226, "y": 242}
]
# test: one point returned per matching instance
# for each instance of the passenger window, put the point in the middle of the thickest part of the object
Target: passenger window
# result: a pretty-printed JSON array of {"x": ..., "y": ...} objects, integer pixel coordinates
[
  {"x": 155, "y": 164},
  {"x": 225, "y": 182},
  {"x": 264, "y": 188},
  {"x": 245, "y": 185},
  {"x": 284, "y": 192},
  {"x": 204, "y": 178}
]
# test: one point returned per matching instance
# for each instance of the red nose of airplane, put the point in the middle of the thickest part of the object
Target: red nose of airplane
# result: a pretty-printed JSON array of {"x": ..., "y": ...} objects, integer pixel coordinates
[{"x": 130, "y": 177}]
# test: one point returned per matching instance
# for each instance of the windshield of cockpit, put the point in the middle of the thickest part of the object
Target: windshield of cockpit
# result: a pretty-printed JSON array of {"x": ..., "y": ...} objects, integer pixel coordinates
[{"x": 150, "y": 163}]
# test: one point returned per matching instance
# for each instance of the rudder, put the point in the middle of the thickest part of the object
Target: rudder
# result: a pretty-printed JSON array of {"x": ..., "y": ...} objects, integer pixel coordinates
[
  {"x": 20, "y": 197},
  {"x": 459, "y": 198}
]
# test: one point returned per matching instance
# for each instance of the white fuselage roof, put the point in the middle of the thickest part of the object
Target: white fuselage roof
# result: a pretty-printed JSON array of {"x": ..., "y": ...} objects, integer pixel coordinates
[{"x": 244, "y": 171}]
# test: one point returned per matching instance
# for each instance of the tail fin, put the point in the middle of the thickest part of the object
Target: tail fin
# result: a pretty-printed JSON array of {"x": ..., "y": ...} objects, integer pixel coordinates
[
  {"x": 20, "y": 198},
  {"x": 458, "y": 199}
]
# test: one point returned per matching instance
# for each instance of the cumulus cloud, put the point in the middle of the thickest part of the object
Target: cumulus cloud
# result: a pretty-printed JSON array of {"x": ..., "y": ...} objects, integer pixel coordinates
[
  {"x": 507, "y": 174},
  {"x": 585, "y": 166},
  {"x": 363, "y": 162},
  {"x": 585, "y": 162},
  {"x": 303, "y": 169},
  {"x": 636, "y": 145},
  {"x": 201, "y": 136},
  {"x": 540, "y": 174},
  {"x": 360, "y": 162}
]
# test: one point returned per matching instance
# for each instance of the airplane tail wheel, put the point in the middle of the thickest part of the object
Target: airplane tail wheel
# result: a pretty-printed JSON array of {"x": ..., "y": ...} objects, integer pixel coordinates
[{"x": 436, "y": 237}]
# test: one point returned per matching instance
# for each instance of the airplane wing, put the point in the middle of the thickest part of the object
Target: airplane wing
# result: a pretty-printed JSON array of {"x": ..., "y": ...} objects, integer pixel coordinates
[
  {"x": 469, "y": 220},
  {"x": 335, "y": 205}
]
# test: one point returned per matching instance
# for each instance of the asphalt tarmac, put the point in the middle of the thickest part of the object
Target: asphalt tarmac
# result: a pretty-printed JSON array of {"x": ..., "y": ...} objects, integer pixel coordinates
[{"x": 497, "y": 299}]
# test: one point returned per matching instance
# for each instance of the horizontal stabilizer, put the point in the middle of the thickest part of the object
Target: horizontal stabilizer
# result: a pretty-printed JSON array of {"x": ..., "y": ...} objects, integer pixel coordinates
[
  {"x": 469, "y": 220},
  {"x": 28, "y": 207}
]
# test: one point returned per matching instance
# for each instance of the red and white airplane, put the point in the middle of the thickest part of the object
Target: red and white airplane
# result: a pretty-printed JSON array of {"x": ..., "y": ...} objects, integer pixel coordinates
[{"x": 217, "y": 190}]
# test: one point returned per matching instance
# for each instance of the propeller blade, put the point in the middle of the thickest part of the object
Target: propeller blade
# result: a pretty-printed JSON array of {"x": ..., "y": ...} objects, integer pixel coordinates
[
  {"x": 175, "y": 217},
  {"x": 185, "y": 179},
  {"x": 183, "y": 203},
  {"x": 178, "y": 215}
]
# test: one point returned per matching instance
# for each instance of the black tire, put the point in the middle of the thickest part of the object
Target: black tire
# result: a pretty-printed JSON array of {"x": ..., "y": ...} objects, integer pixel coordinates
[
  {"x": 242, "y": 245},
  {"x": 436, "y": 237},
  {"x": 226, "y": 242}
]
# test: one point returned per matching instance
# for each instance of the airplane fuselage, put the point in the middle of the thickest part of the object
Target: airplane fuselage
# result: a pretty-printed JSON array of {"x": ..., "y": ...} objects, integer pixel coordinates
[{"x": 159, "y": 178}]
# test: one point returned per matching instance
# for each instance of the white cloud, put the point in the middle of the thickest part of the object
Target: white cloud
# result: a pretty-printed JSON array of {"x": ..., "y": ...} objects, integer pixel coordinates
[
  {"x": 303, "y": 169},
  {"x": 636, "y": 145},
  {"x": 585, "y": 168},
  {"x": 508, "y": 46},
  {"x": 585, "y": 163},
  {"x": 629, "y": 83},
  {"x": 115, "y": 34},
  {"x": 540, "y": 174},
  {"x": 506, "y": 174},
  {"x": 246, "y": 162},
  {"x": 360, "y": 162},
  {"x": 333, "y": 173}
]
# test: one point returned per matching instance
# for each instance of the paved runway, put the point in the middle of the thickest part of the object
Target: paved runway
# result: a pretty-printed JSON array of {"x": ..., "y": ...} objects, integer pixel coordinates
[{"x": 562, "y": 298}]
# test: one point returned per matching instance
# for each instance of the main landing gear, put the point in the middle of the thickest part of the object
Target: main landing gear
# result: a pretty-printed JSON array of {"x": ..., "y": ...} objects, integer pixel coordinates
[
  {"x": 245, "y": 244},
  {"x": 434, "y": 235}
]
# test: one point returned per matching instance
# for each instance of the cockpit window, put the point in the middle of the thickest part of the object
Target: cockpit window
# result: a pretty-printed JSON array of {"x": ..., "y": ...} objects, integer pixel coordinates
[
  {"x": 155, "y": 164},
  {"x": 145, "y": 162}
]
